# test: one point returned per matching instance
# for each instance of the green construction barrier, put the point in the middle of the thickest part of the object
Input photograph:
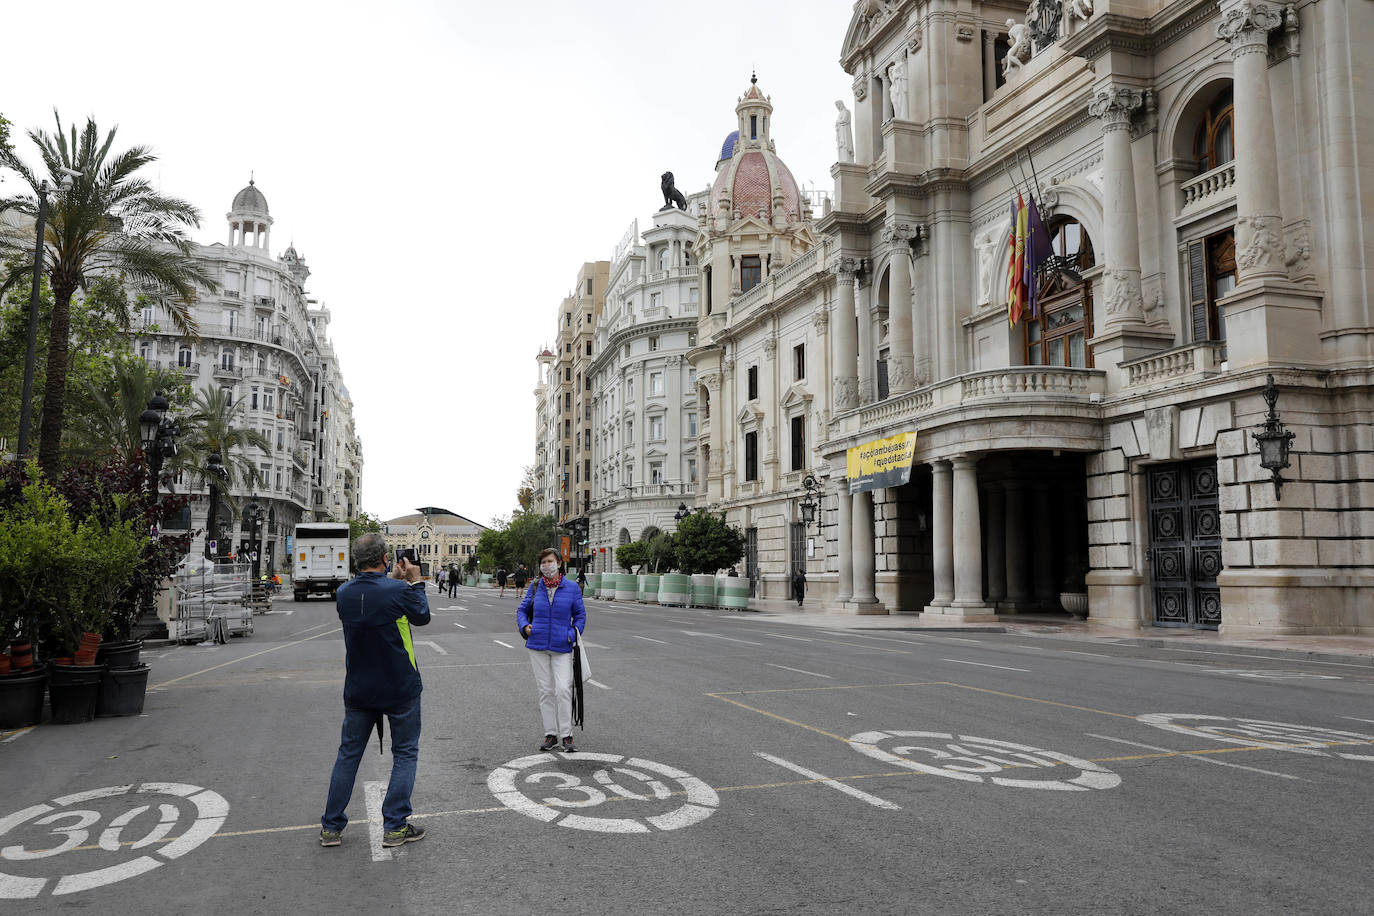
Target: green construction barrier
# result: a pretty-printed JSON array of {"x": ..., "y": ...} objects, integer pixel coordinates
[
  {"x": 703, "y": 590},
  {"x": 626, "y": 587},
  {"x": 648, "y": 589},
  {"x": 674, "y": 589},
  {"x": 733, "y": 592}
]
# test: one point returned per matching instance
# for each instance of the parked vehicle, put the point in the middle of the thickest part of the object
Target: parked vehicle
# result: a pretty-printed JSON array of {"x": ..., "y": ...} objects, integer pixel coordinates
[{"x": 320, "y": 561}]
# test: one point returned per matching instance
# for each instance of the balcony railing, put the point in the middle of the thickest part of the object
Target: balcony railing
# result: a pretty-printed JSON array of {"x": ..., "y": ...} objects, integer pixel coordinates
[
  {"x": 1210, "y": 187},
  {"x": 230, "y": 372},
  {"x": 230, "y": 293},
  {"x": 1195, "y": 359},
  {"x": 1014, "y": 385},
  {"x": 264, "y": 300}
]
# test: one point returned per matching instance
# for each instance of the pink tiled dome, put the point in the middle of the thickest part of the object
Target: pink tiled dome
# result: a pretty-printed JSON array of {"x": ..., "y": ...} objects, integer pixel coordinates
[{"x": 750, "y": 178}]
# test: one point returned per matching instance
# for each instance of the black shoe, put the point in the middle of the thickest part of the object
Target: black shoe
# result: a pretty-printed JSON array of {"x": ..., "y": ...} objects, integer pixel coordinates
[
  {"x": 568, "y": 746},
  {"x": 407, "y": 834},
  {"x": 550, "y": 742}
]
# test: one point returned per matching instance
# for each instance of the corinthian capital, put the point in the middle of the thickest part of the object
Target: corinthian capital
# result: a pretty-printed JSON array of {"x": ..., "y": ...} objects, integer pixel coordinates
[
  {"x": 1246, "y": 25},
  {"x": 900, "y": 231},
  {"x": 845, "y": 269},
  {"x": 1115, "y": 105}
]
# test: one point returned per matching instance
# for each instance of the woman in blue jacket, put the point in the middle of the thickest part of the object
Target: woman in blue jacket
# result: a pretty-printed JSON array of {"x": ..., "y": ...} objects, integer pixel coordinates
[{"x": 550, "y": 616}]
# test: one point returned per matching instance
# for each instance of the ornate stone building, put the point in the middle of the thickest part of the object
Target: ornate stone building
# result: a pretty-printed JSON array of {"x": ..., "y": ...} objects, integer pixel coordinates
[
  {"x": 440, "y": 537},
  {"x": 1197, "y": 167},
  {"x": 266, "y": 343},
  {"x": 644, "y": 413}
]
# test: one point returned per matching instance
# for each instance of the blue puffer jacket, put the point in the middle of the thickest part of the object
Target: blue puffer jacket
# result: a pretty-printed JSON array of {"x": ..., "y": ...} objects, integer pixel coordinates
[{"x": 555, "y": 622}]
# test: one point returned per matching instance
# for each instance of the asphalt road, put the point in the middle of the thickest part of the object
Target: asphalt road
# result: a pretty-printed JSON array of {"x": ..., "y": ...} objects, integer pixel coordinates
[{"x": 731, "y": 763}]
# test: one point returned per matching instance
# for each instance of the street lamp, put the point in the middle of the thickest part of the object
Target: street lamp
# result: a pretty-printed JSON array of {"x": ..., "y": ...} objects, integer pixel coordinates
[
  {"x": 254, "y": 513},
  {"x": 811, "y": 501},
  {"x": 31, "y": 348},
  {"x": 1273, "y": 439},
  {"x": 214, "y": 468},
  {"x": 681, "y": 513},
  {"x": 158, "y": 434}
]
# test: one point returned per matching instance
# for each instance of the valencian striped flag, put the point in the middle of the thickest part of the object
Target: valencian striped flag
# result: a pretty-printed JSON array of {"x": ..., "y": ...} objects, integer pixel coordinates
[{"x": 1028, "y": 247}]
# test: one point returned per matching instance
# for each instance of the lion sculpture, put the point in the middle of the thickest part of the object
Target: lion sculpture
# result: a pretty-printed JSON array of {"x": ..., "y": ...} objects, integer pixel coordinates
[{"x": 671, "y": 195}]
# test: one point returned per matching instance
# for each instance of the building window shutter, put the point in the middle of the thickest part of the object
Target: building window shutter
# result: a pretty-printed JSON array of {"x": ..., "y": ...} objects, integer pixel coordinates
[{"x": 1197, "y": 289}]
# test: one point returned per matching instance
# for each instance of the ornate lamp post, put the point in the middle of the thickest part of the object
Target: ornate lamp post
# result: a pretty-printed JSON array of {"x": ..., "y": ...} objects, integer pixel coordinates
[
  {"x": 158, "y": 433},
  {"x": 254, "y": 514},
  {"x": 682, "y": 512},
  {"x": 1273, "y": 439},
  {"x": 811, "y": 501},
  {"x": 215, "y": 468}
]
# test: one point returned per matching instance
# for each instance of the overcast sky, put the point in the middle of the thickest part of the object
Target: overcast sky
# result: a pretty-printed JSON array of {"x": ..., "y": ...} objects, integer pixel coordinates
[{"x": 444, "y": 167}]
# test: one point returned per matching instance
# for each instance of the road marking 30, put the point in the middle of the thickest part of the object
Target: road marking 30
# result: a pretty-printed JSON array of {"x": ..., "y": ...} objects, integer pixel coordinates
[
  {"x": 374, "y": 792},
  {"x": 862, "y": 796}
]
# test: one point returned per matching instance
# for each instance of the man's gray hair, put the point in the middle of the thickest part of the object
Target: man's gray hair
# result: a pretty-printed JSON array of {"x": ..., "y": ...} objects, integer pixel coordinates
[{"x": 368, "y": 550}]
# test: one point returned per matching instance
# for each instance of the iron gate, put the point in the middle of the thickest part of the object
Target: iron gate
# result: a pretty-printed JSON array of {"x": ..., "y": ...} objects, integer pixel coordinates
[
  {"x": 1185, "y": 544},
  {"x": 751, "y": 559}
]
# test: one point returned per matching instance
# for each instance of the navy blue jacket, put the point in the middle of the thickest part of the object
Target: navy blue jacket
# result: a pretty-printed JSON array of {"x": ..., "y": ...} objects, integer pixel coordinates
[
  {"x": 554, "y": 625},
  {"x": 377, "y": 613}
]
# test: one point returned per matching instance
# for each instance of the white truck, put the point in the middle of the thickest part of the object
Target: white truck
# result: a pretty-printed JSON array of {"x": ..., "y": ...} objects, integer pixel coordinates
[{"x": 319, "y": 554}]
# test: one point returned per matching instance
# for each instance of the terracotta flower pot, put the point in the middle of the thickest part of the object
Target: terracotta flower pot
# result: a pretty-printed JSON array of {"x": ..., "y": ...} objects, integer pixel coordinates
[
  {"x": 21, "y": 655},
  {"x": 65, "y": 660},
  {"x": 4, "y": 664}
]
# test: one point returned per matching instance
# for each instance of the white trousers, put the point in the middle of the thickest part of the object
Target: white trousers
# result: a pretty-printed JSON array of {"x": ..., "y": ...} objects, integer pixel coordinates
[{"x": 553, "y": 673}]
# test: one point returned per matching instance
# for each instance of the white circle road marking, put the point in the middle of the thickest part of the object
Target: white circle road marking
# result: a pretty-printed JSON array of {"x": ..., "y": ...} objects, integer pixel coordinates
[
  {"x": 972, "y": 759},
  {"x": 558, "y": 790},
  {"x": 1281, "y": 736},
  {"x": 75, "y": 826}
]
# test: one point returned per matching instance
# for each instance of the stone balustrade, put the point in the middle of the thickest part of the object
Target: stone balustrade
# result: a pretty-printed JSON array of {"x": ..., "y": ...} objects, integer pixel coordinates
[
  {"x": 1210, "y": 187},
  {"x": 1199, "y": 359}
]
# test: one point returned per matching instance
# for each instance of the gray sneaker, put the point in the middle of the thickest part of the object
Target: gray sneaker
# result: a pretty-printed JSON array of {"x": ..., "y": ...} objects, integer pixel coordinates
[
  {"x": 407, "y": 834},
  {"x": 330, "y": 837}
]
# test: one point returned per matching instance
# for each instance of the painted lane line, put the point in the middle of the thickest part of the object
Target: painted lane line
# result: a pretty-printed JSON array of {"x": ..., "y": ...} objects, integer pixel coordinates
[
  {"x": 433, "y": 645},
  {"x": 797, "y": 638},
  {"x": 459, "y": 625},
  {"x": 245, "y": 658},
  {"x": 649, "y": 639},
  {"x": 718, "y": 636},
  {"x": 283, "y": 613},
  {"x": 594, "y": 645},
  {"x": 460, "y": 607},
  {"x": 16, "y": 734},
  {"x": 374, "y": 792},
  {"x": 500, "y": 643},
  {"x": 800, "y": 671},
  {"x": 861, "y": 795},
  {"x": 598, "y": 684},
  {"x": 1191, "y": 756},
  {"x": 959, "y": 661},
  {"x": 1357, "y": 719},
  {"x": 1093, "y": 654}
]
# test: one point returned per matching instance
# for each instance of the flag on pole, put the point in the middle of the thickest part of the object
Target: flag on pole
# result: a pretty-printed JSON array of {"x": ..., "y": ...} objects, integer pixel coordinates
[
  {"x": 1017, "y": 302},
  {"x": 1038, "y": 251},
  {"x": 1012, "y": 279}
]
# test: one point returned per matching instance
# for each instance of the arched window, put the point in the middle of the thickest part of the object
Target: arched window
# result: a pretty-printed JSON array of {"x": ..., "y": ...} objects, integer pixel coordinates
[
  {"x": 663, "y": 259},
  {"x": 1214, "y": 141},
  {"x": 1058, "y": 334},
  {"x": 226, "y": 359}
]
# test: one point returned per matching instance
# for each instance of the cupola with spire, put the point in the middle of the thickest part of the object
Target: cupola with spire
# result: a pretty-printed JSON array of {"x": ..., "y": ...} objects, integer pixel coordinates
[{"x": 250, "y": 223}]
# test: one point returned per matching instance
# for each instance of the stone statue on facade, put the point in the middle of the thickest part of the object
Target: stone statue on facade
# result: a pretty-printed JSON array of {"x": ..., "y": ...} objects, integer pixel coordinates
[
  {"x": 1081, "y": 9},
  {"x": 844, "y": 134},
  {"x": 896, "y": 75},
  {"x": 1019, "y": 52},
  {"x": 671, "y": 195}
]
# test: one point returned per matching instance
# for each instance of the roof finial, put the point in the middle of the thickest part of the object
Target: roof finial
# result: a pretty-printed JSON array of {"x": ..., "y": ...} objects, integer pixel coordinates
[
  {"x": 250, "y": 176},
  {"x": 754, "y": 78}
]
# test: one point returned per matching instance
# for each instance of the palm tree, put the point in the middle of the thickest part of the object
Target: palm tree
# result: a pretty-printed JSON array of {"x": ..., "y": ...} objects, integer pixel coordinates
[
  {"x": 111, "y": 424},
  {"x": 107, "y": 221},
  {"x": 212, "y": 427}
]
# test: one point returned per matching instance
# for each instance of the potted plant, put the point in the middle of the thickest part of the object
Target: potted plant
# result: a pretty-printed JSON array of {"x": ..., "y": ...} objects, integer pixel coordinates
[{"x": 1073, "y": 596}]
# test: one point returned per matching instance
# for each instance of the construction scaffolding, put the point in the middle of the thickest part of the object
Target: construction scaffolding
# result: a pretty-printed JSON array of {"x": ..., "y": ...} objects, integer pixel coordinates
[{"x": 213, "y": 601}]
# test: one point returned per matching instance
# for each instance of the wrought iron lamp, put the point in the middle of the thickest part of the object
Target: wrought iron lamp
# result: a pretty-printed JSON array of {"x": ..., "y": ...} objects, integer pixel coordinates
[
  {"x": 158, "y": 434},
  {"x": 811, "y": 501},
  {"x": 1273, "y": 438},
  {"x": 681, "y": 513}
]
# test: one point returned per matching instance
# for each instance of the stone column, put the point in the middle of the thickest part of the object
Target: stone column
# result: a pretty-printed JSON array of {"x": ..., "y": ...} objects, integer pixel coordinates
[
  {"x": 997, "y": 544},
  {"x": 942, "y": 533},
  {"x": 1014, "y": 525},
  {"x": 868, "y": 389},
  {"x": 968, "y": 534},
  {"x": 1259, "y": 224},
  {"x": 1043, "y": 548},
  {"x": 863, "y": 122},
  {"x": 1122, "y": 299},
  {"x": 844, "y": 340},
  {"x": 768, "y": 397},
  {"x": 989, "y": 64},
  {"x": 845, "y": 548},
  {"x": 901, "y": 372},
  {"x": 863, "y": 550}
]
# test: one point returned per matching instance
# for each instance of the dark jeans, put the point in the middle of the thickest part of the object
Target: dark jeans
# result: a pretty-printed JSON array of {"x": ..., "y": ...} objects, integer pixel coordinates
[
  {"x": 453, "y": 588},
  {"x": 405, "y": 749}
]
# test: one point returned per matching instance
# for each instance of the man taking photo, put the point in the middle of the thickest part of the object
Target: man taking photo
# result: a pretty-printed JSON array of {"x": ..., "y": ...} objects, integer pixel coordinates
[{"x": 381, "y": 680}]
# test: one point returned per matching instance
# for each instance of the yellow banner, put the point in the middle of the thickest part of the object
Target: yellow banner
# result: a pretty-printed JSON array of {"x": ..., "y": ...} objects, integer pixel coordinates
[{"x": 881, "y": 463}]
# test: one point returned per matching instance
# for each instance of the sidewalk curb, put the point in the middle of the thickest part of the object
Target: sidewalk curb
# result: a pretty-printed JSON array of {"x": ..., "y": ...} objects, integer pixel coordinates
[{"x": 1258, "y": 651}]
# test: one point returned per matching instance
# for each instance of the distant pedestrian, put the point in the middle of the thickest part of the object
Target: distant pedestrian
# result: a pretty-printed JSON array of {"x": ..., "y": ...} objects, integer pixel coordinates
[
  {"x": 799, "y": 585},
  {"x": 521, "y": 576},
  {"x": 582, "y": 577},
  {"x": 441, "y": 580},
  {"x": 550, "y": 617},
  {"x": 732, "y": 573},
  {"x": 381, "y": 680},
  {"x": 453, "y": 578},
  {"x": 501, "y": 576}
]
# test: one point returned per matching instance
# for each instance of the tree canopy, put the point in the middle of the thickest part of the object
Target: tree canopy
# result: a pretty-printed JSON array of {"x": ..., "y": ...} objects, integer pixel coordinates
[{"x": 706, "y": 543}]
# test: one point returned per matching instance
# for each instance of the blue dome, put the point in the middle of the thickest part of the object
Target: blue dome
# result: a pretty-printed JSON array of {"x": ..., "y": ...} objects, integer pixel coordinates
[{"x": 727, "y": 149}]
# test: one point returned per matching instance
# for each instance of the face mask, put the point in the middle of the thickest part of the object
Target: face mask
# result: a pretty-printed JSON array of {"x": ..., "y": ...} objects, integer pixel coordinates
[{"x": 548, "y": 569}]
